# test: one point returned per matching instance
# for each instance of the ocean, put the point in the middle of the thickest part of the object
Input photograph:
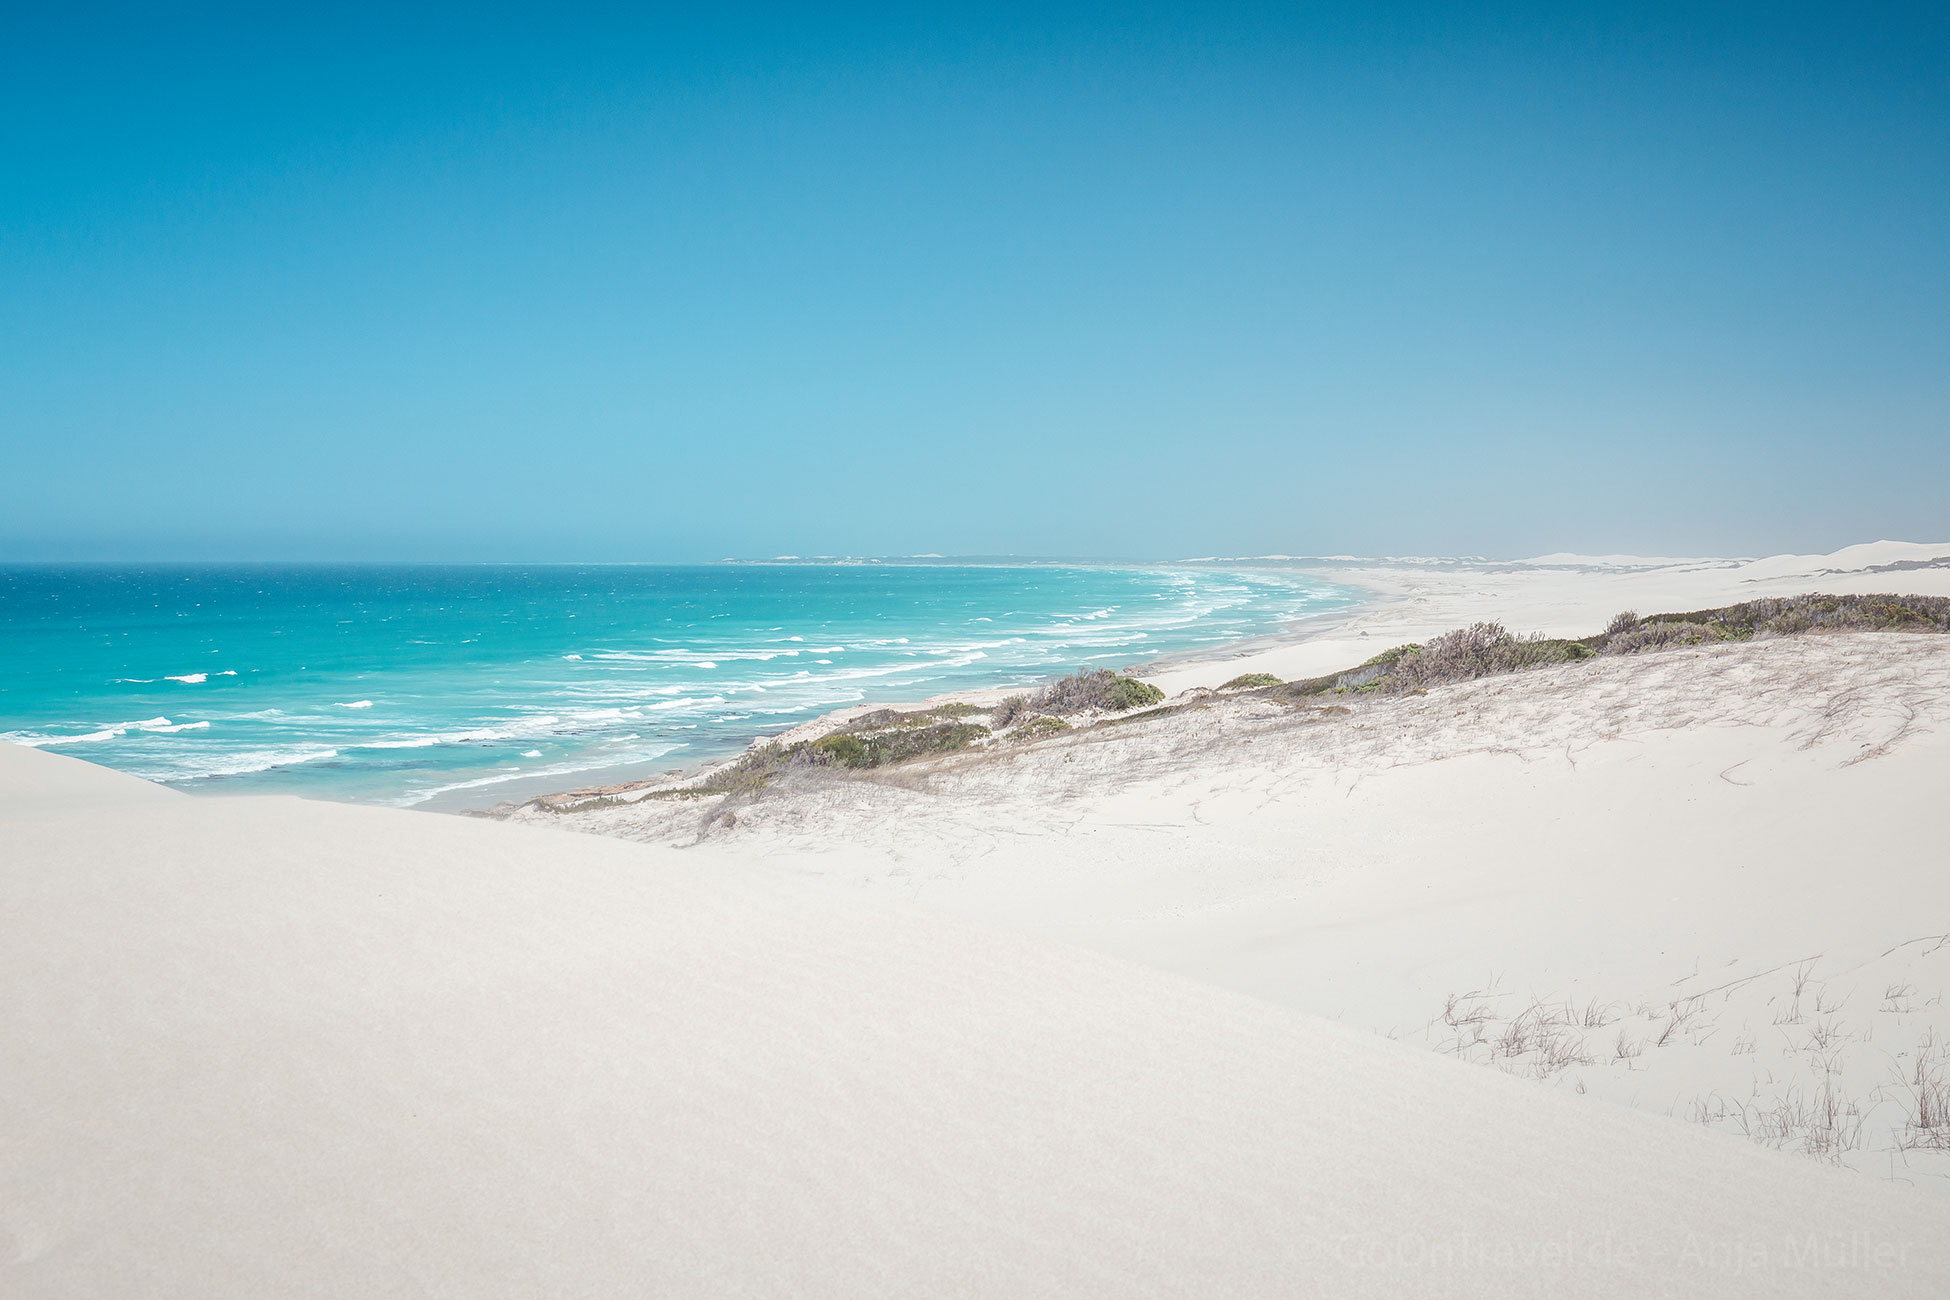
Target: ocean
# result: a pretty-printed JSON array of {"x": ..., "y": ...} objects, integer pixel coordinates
[{"x": 460, "y": 685}]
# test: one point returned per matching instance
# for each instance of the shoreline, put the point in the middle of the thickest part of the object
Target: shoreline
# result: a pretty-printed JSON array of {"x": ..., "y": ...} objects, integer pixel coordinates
[
  {"x": 1201, "y": 663},
  {"x": 1406, "y": 601},
  {"x": 1194, "y": 667}
]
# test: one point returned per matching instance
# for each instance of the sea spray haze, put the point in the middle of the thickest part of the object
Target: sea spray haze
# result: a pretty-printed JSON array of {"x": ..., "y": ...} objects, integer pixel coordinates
[{"x": 462, "y": 684}]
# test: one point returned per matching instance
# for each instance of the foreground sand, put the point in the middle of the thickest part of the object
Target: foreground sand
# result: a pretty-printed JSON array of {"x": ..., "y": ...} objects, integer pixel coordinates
[
  {"x": 1706, "y": 883},
  {"x": 267, "y": 1047}
]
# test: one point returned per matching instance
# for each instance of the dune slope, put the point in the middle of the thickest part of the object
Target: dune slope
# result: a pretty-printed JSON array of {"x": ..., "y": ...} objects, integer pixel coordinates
[{"x": 268, "y": 1047}]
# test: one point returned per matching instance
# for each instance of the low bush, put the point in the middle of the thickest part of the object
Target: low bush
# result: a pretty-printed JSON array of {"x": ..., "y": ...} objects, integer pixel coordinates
[
  {"x": 1011, "y": 708},
  {"x": 750, "y": 771},
  {"x": 1660, "y": 635},
  {"x": 882, "y": 719},
  {"x": 1094, "y": 689},
  {"x": 1246, "y": 681},
  {"x": 1479, "y": 650},
  {"x": 1039, "y": 727},
  {"x": 1488, "y": 649},
  {"x": 847, "y": 751},
  {"x": 853, "y": 748},
  {"x": 1130, "y": 693},
  {"x": 1784, "y": 616}
]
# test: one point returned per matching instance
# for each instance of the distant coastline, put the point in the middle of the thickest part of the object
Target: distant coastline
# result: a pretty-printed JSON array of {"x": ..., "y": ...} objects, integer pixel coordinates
[{"x": 431, "y": 685}]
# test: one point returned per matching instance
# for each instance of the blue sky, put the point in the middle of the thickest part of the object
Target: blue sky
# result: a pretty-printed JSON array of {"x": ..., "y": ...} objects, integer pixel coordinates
[{"x": 1125, "y": 281}]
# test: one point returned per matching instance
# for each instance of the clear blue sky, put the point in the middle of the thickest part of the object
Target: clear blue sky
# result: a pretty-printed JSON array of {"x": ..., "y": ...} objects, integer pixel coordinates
[{"x": 587, "y": 284}]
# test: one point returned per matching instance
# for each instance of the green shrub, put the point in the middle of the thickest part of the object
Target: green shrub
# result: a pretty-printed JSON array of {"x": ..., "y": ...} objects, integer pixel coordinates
[
  {"x": 1039, "y": 727},
  {"x": 1094, "y": 689},
  {"x": 853, "y": 748},
  {"x": 1130, "y": 693},
  {"x": 1246, "y": 681},
  {"x": 846, "y": 750}
]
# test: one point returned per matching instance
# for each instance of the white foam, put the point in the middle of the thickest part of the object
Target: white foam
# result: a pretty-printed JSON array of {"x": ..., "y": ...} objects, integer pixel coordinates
[
  {"x": 190, "y": 679},
  {"x": 421, "y": 796},
  {"x": 691, "y": 658},
  {"x": 355, "y": 704},
  {"x": 524, "y": 726},
  {"x": 236, "y": 764},
  {"x": 33, "y": 740},
  {"x": 688, "y": 702}
]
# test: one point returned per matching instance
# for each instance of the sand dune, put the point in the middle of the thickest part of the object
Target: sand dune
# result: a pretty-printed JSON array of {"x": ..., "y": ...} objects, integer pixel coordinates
[
  {"x": 1561, "y": 595},
  {"x": 1056, "y": 1022},
  {"x": 261, "y": 1046},
  {"x": 1705, "y": 883}
]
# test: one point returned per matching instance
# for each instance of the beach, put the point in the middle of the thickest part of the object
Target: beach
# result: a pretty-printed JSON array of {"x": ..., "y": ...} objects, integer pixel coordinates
[{"x": 1620, "y": 976}]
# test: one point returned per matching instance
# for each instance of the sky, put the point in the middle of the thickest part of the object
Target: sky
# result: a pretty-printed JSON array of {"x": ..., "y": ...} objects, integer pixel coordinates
[{"x": 574, "y": 283}]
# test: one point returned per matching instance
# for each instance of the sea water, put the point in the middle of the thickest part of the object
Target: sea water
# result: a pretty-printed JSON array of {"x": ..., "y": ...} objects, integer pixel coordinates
[{"x": 463, "y": 684}]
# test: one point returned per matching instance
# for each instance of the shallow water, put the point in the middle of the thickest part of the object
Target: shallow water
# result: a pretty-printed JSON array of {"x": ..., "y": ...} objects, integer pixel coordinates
[{"x": 401, "y": 684}]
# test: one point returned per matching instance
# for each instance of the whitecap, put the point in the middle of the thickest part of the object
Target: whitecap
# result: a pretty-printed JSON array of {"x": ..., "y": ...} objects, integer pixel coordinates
[
  {"x": 355, "y": 704},
  {"x": 237, "y": 764},
  {"x": 520, "y": 727},
  {"x": 190, "y": 679},
  {"x": 33, "y": 740}
]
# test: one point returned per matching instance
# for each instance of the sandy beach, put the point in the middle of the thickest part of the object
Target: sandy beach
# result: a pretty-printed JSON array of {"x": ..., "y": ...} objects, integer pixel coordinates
[{"x": 1621, "y": 977}]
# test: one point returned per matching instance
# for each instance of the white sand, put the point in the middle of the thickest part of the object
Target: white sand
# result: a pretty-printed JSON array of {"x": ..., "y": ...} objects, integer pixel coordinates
[
  {"x": 1729, "y": 860},
  {"x": 1559, "y": 595},
  {"x": 267, "y": 1047}
]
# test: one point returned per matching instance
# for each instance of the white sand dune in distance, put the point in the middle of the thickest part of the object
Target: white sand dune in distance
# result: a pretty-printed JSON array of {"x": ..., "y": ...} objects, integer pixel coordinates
[
  {"x": 1560, "y": 595},
  {"x": 268, "y": 1047}
]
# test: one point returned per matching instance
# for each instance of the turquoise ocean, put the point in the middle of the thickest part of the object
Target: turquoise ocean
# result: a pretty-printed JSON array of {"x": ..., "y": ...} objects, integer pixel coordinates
[{"x": 460, "y": 685}]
